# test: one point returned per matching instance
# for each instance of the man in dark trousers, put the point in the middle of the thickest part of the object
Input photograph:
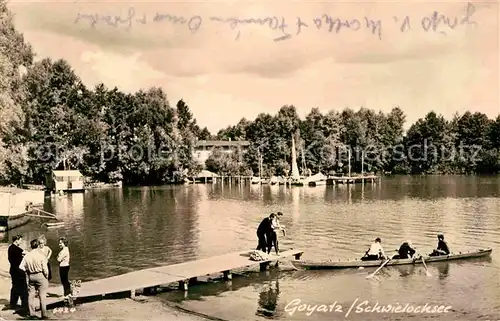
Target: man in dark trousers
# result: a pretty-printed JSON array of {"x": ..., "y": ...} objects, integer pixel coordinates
[
  {"x": 19, "y": 283},
  {"x": 264, "y": 233}
]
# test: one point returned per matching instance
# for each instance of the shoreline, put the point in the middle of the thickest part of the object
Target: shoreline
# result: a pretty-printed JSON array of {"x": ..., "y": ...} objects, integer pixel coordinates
[
  {"x": 379, "y": 175},
  {"x": 140, "y": 308}
]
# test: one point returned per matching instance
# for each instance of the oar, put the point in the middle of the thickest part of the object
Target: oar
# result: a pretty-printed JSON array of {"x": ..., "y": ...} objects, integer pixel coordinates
[
  {"x": 426, "y": 269},
  {"x": 380, "y": 267}
]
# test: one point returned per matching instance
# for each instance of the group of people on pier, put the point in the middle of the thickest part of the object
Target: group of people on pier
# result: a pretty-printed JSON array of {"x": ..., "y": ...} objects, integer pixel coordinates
[
  {"x": 31, "y": 272},
  {"x": 267, "y": 233},
  {"x": 406, "y": 250}
]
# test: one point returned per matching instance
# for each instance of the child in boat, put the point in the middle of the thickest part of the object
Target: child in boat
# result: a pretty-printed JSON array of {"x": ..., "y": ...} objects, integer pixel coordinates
[
  {"x": 42, "y": 247},
  {"x": 375, "y": 252},
  {"x": 442, "y": 248}
]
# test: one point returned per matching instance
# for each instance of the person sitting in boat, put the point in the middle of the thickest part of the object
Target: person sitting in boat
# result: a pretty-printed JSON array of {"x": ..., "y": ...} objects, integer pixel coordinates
[
  {"x": 406, "y": 251},
  {"x": 375, "y": 252},
  {"x": 442, "y": 248}
]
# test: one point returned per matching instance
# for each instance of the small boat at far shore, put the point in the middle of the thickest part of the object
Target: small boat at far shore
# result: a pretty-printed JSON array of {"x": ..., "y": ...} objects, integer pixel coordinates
[
  {"x": 53, "y": 224},
  {"x": 330, "y": 265}
]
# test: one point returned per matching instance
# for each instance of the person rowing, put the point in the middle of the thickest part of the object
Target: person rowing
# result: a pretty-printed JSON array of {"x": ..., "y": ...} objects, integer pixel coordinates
[
  {"x": 375, "y": 252},
  {"x": 406, "y": 251},
  {"x": 442, "y": 247}
]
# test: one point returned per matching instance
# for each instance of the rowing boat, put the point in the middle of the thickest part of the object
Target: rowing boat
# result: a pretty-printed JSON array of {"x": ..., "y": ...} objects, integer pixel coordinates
[
  {"x": 319, "y": 265},
  {"x": 54, "y": 224}
]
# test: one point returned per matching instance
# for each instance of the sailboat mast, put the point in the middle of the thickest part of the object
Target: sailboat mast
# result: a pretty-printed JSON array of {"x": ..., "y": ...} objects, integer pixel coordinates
[
  {"x": 349, "y": 150},
  {"x": 304, "y": 169},
  {"x": 260, "y": 165},
  {"x": 295, "y": 168}
]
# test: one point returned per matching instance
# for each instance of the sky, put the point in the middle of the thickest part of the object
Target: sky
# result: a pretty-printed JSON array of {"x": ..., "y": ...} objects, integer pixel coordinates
[{"x": 225, "y": 67}]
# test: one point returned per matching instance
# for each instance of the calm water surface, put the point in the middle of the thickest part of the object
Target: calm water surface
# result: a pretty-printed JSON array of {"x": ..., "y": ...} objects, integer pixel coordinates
[{"x": 118, "y": 231}]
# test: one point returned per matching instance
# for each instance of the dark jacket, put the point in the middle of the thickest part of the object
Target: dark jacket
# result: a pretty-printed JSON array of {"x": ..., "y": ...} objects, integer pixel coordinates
[
  {"x": 443, "y": 246},
  {"x": 405, "y": 251},
  {"x": 265, "y": 226},
  {"x": 15, "y": 254}
]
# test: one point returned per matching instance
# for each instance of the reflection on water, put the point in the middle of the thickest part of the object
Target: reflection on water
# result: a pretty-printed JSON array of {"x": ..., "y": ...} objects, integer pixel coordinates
[
  {"x": 120, "y": 230},
  {"x": 268, "y": 299},
  {"x": 444, "y": 269}
]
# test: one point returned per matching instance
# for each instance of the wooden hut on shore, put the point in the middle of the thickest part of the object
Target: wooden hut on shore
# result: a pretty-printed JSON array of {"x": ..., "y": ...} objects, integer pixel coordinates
[{"x": 65, "y": 181}]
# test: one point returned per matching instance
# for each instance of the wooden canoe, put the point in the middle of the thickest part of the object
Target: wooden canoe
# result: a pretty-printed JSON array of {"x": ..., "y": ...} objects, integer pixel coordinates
[{"x": 319, "y": 265}]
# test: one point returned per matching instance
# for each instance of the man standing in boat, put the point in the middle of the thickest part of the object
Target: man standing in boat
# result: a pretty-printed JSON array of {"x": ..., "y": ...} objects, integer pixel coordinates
[
  {"x": 375, "y": 252},
  {"x": 442, "y": 248},
  {"x": 264, "y": 233}
]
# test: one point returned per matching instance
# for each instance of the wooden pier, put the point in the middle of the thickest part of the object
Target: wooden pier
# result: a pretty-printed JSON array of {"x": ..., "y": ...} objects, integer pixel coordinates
[
  {"x": 182, "y": 273},
  {"x": 352, "y": 179}
]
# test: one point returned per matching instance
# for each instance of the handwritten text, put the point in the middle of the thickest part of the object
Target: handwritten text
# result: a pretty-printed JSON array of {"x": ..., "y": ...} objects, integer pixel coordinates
[{"x": 286, "y": 28}]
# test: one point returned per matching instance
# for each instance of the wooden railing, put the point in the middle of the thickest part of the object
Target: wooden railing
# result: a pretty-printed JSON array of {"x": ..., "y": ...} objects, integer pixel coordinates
[{"x": 36, "y": 212}]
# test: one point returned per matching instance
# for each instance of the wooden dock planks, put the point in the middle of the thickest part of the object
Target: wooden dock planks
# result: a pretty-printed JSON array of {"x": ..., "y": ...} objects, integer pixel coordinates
[{"x": 162, "y": 275}]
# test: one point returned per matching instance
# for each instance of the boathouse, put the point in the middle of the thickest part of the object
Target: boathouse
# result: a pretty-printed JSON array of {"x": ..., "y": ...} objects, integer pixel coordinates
[
  {"x": 206, "y": 176},
  {"x": 65, "y": 181}
]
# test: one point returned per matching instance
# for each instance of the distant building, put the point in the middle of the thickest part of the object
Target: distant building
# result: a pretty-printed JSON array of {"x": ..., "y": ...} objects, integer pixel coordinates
[
  {"x": 65, "y": 181},
  {"x": 204, "y": 148}
]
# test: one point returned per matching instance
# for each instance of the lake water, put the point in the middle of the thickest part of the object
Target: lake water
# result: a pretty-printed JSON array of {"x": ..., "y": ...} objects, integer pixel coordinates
[{"x": 118, "y": 231}]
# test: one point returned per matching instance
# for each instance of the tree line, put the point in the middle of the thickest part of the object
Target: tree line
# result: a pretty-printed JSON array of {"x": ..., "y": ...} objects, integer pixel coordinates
[
  {"x": 367, "y": 141},
  {"x": 50, "y": 120}
]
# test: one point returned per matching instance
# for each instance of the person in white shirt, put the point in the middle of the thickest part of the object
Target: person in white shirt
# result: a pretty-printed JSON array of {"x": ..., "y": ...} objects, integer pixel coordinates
[
  {"x": 275, "y": 225},
  {"x": 34, "y": 264},
  {"x": 63, "y": 259},
  {"x": 42, "y": 247},
  {"x": 375, "y": 252}
]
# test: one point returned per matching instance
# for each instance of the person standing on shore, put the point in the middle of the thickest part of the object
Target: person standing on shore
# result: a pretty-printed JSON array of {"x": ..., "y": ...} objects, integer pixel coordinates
[
  {"x": 34, "y": 264},
  {"x": 42, "y": 240},
  {"x": 19, "y": 284},
  {"x": 63, "y": 259}
]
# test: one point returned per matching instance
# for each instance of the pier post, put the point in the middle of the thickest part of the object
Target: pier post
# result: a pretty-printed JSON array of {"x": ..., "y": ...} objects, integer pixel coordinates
[
  {"x": 227, "y": 275},
  {"x": 150, "y": 291},
  {"x": 132, "y": 294},
  {"x": 183, "y": 285}
]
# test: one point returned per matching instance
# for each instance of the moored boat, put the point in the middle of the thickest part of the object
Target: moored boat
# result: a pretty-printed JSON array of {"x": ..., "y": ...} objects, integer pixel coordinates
[
  {"x": 256, "y": 180},
  {"x": 53, "y": 224},
  {"x": 9, "y": 222},
  {"x": 320, "y": 265}
]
